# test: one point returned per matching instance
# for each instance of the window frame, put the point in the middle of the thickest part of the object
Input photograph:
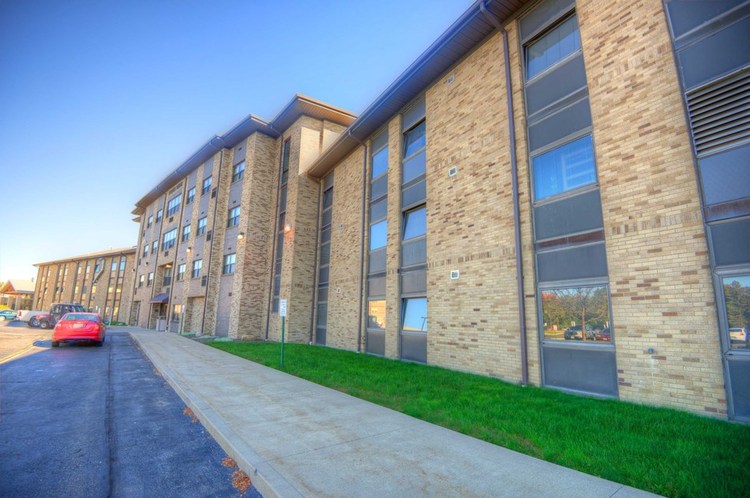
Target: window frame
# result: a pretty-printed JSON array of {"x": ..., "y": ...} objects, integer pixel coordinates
[
  {"x": 174, "y": 205},
  {"x": 233, "y": 220},
  {"x": 587, "y": 132},
  {"x": 169, "y": 240},
  {"x": 228, "y": 267},
  {"x": 202, "y": 227},
  {"x": 206, "y": 185},
  {"x": 190, "y": 196},
  {"x": 740, "y": 270},
  {"x": 196, "y": 268},
  {"x": 543, "y": 32},
  {"x": 238, "y": 171},
  {"x": 186, "y": 229}
]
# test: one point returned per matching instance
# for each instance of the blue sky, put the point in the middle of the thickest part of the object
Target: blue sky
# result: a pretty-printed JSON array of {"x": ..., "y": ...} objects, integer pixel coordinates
[{"x": 100, "y": 100}]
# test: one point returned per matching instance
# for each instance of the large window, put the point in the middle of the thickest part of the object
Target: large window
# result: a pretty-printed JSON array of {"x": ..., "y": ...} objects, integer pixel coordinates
[
  {"x": 169, "y": 239},
  {"x": 174, "y": 205},
  {"x": 206, "y": 185},
  {"x": 552, "y": 47},
  {"x": 197, "y": 267},
  {"x": 737, "y": 309},
  {"x": 378, "y": 235},
  {"x": 415, "y": 160},
  {"x": 565, "y": 168},
  {"x": 415, "y": 223},
  {"x": 415, "y": 315},
  {"x": 376, "y": 314},
  {"x": 201, "y": 226},
  {"x": 229, "y": 263},
  {"x": 576, "y": 314},
  {"x": 238, "y": 171},
  {"x": 380, "y": 163},
  {"x": 233, "y": 218}
]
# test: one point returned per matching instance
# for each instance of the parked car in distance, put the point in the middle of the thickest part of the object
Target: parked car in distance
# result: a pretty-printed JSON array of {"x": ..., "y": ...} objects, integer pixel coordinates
[
  {"x": 738, "y": 335},
  {"x": 8, "y": 314},
  {"x": 574, "y": 332},
  {"x": 603, "y": 335},
  {"x": 79, "y": 327},
  {"x": 48, "y": 320}
]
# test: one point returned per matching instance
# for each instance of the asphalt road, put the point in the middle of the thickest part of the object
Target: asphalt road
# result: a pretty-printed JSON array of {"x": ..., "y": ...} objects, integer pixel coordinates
[{"x": 98, "y": 422}]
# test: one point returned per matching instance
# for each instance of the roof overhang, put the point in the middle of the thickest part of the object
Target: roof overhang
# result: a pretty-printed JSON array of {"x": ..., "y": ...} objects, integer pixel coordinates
[
  {"x": 300, "y": 105},
  {"x": 101, "y": 254},
  {"x": 459, "y": 39}
]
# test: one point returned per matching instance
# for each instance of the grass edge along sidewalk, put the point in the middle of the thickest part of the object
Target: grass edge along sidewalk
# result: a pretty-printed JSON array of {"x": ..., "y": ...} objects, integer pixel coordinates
[{"x": 660, "y": 450}]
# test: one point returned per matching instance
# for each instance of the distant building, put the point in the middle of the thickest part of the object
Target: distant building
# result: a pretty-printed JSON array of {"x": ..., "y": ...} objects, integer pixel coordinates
[
  {"x": 17, "y": 294},
  {"x": 555, "y": 192},
  {"x": 100, "y": 281}
]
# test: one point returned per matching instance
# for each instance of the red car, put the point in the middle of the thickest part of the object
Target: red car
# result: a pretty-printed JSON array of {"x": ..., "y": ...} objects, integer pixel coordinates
[{"x": 79, "y": 327}]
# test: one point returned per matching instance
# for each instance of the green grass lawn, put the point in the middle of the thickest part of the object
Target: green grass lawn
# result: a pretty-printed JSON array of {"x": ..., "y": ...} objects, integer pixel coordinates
[{"x": 657, "y": 449}]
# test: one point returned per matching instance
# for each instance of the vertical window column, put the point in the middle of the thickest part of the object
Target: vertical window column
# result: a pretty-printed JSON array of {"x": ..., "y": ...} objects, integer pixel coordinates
[
  {"x": 280, "y": 225},
  {"x": 375, "y": 342},
  {"x": 413, "y": 266},
  {"x": 321, "y": 325}
]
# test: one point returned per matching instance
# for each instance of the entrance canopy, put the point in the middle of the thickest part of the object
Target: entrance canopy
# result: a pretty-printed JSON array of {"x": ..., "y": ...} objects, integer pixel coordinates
[{"x": 160, "y": 298}]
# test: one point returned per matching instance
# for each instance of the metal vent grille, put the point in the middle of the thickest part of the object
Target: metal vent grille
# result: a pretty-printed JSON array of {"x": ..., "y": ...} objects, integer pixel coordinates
[{"x": 720, "y": 113}]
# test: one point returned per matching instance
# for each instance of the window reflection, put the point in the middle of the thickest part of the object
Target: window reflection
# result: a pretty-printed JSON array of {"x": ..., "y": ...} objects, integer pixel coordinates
[
  {"x": 415, "y": 315},
  {"x": 737, "y": 302},
  {"x": 376, "y": 314},
  {"x": 552, "y": 47},
  {"x": 564, "y": 168},
  {"x": 576, "y": 314}
]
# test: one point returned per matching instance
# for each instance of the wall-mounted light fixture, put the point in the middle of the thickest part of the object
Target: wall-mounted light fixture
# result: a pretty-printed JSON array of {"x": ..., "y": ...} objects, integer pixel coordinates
[
  {"x": 189, "y": 250},
  {"x": 287, "y": 228},
  {"x": 240, "y": 235}
]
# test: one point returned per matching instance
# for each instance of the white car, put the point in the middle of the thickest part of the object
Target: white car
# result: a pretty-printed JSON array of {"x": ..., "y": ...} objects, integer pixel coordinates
[{"x": 738, "y": 334}]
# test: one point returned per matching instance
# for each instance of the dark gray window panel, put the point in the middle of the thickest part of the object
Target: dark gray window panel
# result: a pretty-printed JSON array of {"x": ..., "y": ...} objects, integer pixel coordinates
[
  {"x": 328, "y": 181},
  {"x": 567, "y": 216},
  {"x": 716, "y": 55},
  {"x": 282, "y": 202},
  {"x": 543, "y": 15},
  {"x": 378, "y": 211},
  {"x": 739, "y": 373},
  {"x": 414, "y": 282},
  {"x": 320, "y": 335},
  {"x": 414, "y": 252},
  {"x": 376, "y": 342},
  {"x": 727, "y": 210},
  {"x": 325, "y": 254},
  {"x": 416, "y": 194},
  {"x": 326, "y": 219},
  {"x": 325, "y": 235},
  {"x": 239, "y": 153},
  {"x": 323, "y": 294},
  {"x": 560, "y": 125},
  {"x": 726, "y": 176},
  {"x": 323, "y": 276},
  {"x": 379, "y": 187},
  {"x": 564, "y": 80},
  {"x": 380, "y": 141},
  {"x": 377, "y": 260},
  {"x": 731, "y": 242},
  {"x": 414, "y": 167},
  {"x": 686, "y": 16},
  {"x": 414, "y": 114},
  {"x": 588, "y": 370},
  {"x": 414, "y": 346},
  {"x": 376, "y": 286},
  {"x": 570, "y": 264},
  {"x": 322, "y": 315}
]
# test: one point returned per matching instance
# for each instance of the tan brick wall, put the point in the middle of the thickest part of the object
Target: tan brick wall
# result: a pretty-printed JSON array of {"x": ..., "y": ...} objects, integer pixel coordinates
[
  {"x": 662, "y": 295},
  {"x": 346, "y": 256},
  {"x": 253, "y": 272},
  {"x": 393, "y": 245}
]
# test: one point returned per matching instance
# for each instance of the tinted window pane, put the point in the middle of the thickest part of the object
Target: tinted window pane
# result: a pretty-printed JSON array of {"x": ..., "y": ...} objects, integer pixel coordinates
[
  {"x": 415, "y": 315},
  {"x": 378, "y": 210},
  {"x": 567, "y": 313},
  {"x": 552, "y": 47},
  {"x": 327, "y": 198},
  {"x": 380, "y": 163},
  {"x": 415, "y": 223},
  {"x": 379, "y": 187},
  {"x": 414, "y": 167},
  {"x": 378, "y": 235},
  {"x": 564, "y": 168},
  {"x": 325, "y": 254},
  {"x": 737, "y": 301},
  {"x": 414, "y": 139},
  {"x": 376, "y": 314}
]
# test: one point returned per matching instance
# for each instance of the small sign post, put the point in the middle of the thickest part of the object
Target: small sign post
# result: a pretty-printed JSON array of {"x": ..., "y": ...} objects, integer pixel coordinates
[{"x": 282, "y": 314}]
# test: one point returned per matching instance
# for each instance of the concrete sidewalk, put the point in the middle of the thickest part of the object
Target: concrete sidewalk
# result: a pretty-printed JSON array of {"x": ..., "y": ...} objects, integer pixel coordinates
[{"x": 296, "y": 438}]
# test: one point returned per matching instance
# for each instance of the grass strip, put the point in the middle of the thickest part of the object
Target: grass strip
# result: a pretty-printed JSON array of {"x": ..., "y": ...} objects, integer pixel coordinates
[{"x": 661, "y": 450}]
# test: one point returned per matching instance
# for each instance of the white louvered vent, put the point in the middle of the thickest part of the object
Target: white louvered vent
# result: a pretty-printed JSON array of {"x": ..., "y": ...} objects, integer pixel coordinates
[{"x": 720, "y": 113}]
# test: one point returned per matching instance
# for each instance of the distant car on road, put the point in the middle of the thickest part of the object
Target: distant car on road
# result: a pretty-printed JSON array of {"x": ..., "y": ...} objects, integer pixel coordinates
[
  {"x": 8, "y": 314},
  {"x": 575, "y": 332},
  {"x": 79, "y": 327},
  {"x": 48, "y": 320},
  {"x": 738, "y": 335}
]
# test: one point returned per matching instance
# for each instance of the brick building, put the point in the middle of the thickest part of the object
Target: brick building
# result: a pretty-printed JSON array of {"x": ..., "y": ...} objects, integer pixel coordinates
[
  {"x": 99, "y": 281},
  {"x": 555, "y": 192}
]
